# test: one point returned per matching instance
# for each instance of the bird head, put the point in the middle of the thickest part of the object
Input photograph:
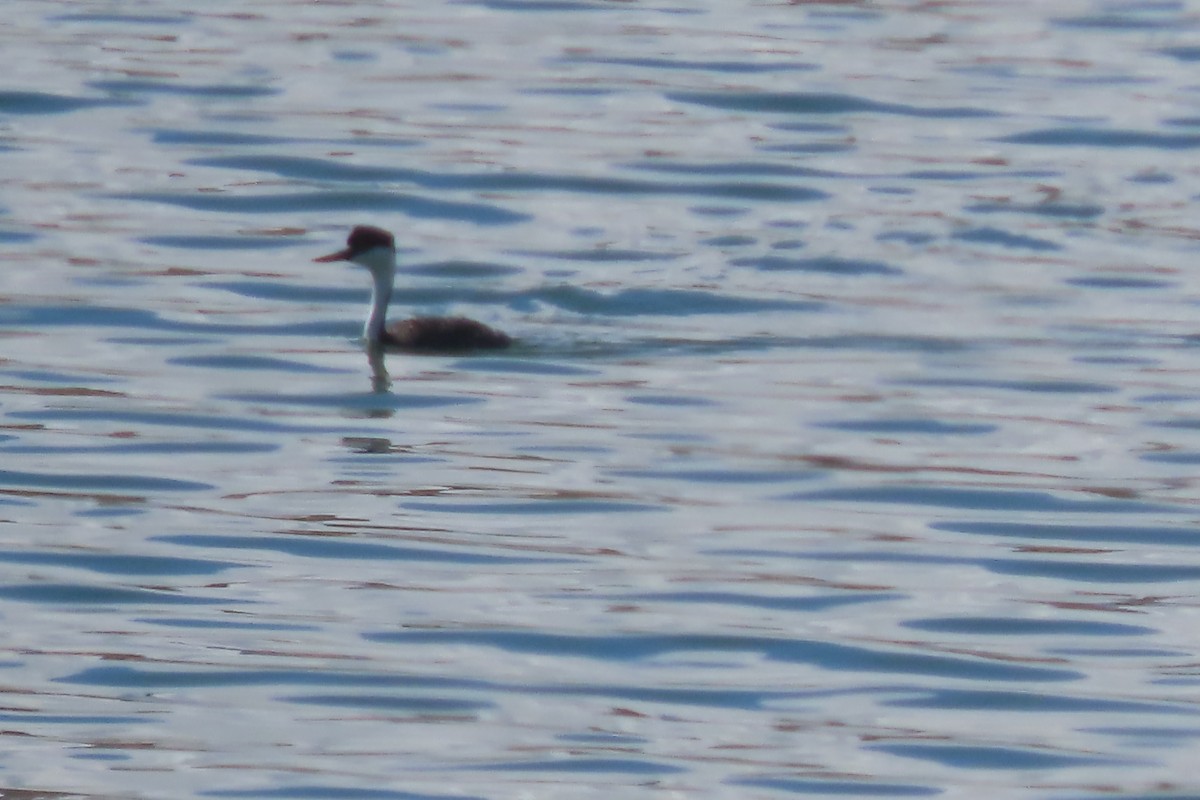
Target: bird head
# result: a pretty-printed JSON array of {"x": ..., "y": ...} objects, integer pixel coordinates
[{"x": 370, "y": 247}]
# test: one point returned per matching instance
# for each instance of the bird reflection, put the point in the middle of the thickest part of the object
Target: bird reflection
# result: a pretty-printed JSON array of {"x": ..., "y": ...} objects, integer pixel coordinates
[{"x": 381, "y": 382}]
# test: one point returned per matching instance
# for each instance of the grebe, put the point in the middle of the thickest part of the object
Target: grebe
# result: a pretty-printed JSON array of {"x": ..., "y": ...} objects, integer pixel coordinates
[{"x": 375, "y": 249}]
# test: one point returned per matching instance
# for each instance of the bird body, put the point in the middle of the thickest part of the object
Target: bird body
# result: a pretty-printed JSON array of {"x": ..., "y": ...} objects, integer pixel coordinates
[
  {"x": 444, "y": 334},
  {"x": 375, "y": 249}
]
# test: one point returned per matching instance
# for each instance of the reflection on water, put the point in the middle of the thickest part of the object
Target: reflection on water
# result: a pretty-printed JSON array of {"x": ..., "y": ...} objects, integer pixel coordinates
[
  {"x": 380, "y": 380},
  {"x": 845, "y": 450}
]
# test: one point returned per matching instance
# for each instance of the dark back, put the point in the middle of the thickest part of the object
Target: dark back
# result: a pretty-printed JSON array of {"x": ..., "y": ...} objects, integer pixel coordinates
[{"x": 444, "y": 334}]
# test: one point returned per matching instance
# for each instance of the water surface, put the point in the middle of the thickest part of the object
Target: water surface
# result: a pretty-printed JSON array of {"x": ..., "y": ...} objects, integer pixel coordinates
[{"x": 847, "y": 448}]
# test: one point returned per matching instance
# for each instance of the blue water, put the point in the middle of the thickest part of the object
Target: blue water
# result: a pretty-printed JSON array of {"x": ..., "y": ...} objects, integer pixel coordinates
[{"x": 848, "y": 447}]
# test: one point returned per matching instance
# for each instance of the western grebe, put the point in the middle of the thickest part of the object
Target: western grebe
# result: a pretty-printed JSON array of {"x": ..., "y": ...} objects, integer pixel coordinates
[{"x": 375, "y": 249}]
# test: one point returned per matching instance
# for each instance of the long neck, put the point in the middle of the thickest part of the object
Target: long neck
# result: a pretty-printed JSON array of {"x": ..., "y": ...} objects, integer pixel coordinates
[
  {"x": 381, "y": 293},
  {"x": 381, "y": 263}
]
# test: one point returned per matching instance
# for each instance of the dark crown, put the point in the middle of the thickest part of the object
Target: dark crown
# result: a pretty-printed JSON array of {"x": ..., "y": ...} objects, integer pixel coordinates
[{"x": 368, "y": 237}]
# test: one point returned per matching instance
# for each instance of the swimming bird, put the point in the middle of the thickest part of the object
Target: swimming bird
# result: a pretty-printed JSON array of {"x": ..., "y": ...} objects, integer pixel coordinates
[{"x": 375, "y": 249}]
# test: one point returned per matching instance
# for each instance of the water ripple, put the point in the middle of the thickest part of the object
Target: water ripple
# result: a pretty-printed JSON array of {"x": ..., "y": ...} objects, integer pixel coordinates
[
  {"x": 121, "y": 19},
  {"x": 990, "y": 758},
  {"x": 1002, "y": 238},
  {"x": 218, "y": 242},
  {"x": 978, "y": 700},
  {"x": 818, "y": 103},
  {"x": 839, "y": 788},
  {"x": 1082, "y": 211},
  {"x": 1025, "y": 627},
  {"x": 14, "y": 102},
  {"x": 323, "y": 170},
  {"x": 983, "y": 499},
  {"x": 174, "y": 420},
  {"x": 828, "y": 264},
  {"x": 733, "y": 67},
  {"x": 1041, "y": 531},
  {"x": 320, "y": 547},
  {"x": 911, "y": 426},
  {"x": 606, "y": 766},
  {"x": 224, "y": 90},
  {"x": 330, "y": 201},
  {"x": 102, "y": 482},
  {"x": 1087, "y": 571},
  {"x": 818, "y": 653},
  {"x": 331, "y": 791},
  {"x": 668, "y": 302},
  {"x": 1104, "y": 137},
  {"x": 123, "y": 564},
  {"x": 98, "y": 596},
  {"x": 802, "y": 604}
]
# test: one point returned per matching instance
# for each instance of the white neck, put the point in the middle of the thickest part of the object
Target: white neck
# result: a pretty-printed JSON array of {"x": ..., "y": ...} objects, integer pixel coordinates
[
  {"x": 382, "y": 264},
  {"x": 381, "y": 293}
]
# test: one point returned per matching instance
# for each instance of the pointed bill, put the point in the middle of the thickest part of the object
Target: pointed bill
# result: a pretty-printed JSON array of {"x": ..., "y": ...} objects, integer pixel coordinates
[{"x": 340, "y": 255}]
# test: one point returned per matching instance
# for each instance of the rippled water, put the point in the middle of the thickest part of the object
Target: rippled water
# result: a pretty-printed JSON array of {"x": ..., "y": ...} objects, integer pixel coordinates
[{"x": 849, "y": 447}]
